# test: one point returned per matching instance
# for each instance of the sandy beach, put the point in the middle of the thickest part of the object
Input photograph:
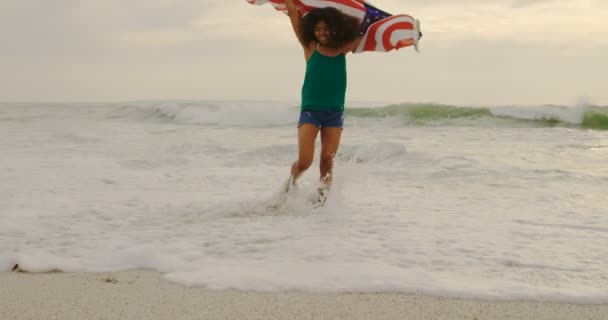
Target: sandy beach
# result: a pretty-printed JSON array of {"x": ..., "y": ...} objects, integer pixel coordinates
[{"x": 145, "y": 295}]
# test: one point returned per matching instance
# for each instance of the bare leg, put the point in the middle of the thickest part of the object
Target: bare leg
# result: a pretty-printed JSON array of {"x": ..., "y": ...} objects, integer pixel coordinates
[
  {"x": 330, "y": 140},
  {"x": 307, "y": 134}
]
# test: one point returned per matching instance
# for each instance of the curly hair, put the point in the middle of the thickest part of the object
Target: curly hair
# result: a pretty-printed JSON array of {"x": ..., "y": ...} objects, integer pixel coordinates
[{"x": 343, "y": 28}]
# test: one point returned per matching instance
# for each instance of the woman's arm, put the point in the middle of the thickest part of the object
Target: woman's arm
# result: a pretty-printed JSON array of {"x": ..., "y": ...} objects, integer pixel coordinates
[
  {"x": 296, "y": 22},
  {"x": 295, "y": 18}
]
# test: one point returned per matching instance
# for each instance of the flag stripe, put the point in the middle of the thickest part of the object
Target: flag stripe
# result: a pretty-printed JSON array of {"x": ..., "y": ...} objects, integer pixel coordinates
[{"x": 387, "y": 34}]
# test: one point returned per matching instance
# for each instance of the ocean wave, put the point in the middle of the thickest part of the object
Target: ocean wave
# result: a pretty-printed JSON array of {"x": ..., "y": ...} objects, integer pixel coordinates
[
  {"x": 419, "y": 111},
  {"x": 595, "y": 119},
  {"x": 272, "y": 114},
  {"x": 589, "y": 117},
  {"x": 229, "y": 114}
]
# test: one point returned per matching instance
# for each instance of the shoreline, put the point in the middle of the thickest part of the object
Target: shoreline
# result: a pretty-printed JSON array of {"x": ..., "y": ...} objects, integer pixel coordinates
[{"x": 143, "y": 294}]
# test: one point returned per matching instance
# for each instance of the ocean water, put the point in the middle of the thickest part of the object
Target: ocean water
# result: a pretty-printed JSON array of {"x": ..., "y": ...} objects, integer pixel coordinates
[{"x": 498, "y": 203}]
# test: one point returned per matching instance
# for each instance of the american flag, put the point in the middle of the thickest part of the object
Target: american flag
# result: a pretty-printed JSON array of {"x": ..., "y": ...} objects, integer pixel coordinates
[{"x": 382, "y": 32}]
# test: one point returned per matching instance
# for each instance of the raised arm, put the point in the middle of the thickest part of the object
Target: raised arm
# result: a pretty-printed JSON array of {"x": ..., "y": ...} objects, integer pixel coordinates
[{"x": 295, "y": 18}]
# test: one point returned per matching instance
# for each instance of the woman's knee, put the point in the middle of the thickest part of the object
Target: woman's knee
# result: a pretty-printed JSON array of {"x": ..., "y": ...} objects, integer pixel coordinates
[{"x": 303, "y": 163}]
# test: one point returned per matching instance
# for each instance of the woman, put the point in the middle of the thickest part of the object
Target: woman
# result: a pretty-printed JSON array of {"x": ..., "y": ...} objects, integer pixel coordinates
[{"x": 326, "y": 36}]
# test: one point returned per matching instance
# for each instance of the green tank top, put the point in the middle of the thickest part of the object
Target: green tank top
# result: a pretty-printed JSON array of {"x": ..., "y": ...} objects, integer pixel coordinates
[{"x": 325, "y": 83}]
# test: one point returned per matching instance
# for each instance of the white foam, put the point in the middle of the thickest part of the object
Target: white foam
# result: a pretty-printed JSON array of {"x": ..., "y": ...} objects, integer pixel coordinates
[
  {"x": 374, "y": 152},
  {"x": 478, "y": 212},
  {"x": 228, "y": 114}
]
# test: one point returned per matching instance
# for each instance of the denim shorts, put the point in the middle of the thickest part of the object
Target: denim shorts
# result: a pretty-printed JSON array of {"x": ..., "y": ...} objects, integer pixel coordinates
[{"x": 322, "y": 119}]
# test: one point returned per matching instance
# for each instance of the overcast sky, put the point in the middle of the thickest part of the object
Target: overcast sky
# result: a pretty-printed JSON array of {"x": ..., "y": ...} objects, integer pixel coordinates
[{"x": 473, "y": 52}]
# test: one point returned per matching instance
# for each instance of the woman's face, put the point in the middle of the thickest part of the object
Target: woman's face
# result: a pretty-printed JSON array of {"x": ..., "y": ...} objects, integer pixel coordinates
[{"x": 322, "y": 32}]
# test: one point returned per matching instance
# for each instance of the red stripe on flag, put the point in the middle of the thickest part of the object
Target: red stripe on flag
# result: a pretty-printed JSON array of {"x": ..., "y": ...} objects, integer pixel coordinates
[
  {"x": 370, "y": 44},
  {"x": 386, "y": 36}
]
